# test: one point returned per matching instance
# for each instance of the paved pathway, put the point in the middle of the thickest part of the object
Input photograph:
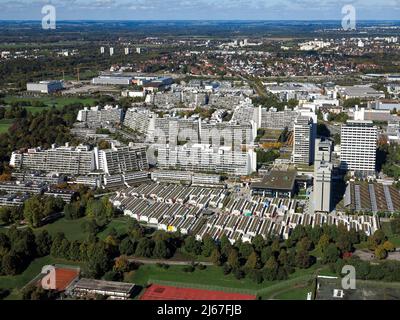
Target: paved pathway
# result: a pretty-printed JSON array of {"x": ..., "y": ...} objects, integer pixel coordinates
[{"x": 169, "y": 262}]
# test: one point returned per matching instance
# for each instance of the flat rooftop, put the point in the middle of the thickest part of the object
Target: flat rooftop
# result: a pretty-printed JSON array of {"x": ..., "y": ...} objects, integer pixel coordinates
[
  {"x": 279, "y": 180},
  {"x": 100, "y": 285}
]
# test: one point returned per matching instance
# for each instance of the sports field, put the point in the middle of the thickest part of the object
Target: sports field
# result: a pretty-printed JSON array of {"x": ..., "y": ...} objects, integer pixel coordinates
[{"x": 159, "y": 292}]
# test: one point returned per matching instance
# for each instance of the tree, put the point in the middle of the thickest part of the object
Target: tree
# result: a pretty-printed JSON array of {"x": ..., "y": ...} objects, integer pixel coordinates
[
  {"x": 256, "y": 276},
  {"x": 330, "y": 254},
  {"x": 225, "y": 245},
  {"x": 25, "y": 245},
  {"x": 64, "y": 249},
  {"x": 73, "y": 211},
  {"x": 238, "y": 273},
  {"x": 208, "y": 246},
  {"x": 99, "y": 260},
  {"x": 276, "y": 247},
  {"x": 33, "y": 292},
  {"x": 127, "y": 246},
  {"x": 11, "y": 264},
  {"x": 253, "y": 261},
  {"x": 216, "y": 257},
  {"x": 144, "y": 248},
  {"x": 233, "y": 259},
  {"x": 56, "y": 245},
  {"x": 323, "y": 243},
  {"x": 376, "y": 239},
  {"x": 258, "y": 242},
  {"x": 43, "y": 243},
  {"x": 270, "y": 269},
  {"x": 121, "y": 264},
  {"x": 380, "y": 252},
  {"x": 34, "y": 211},
  {"x": 266, "y": 254},
  {"x": 112, "y": 276},
  {"x": 161, "y": 249},
  {"x": 226, "y": 269},
  {"x": 74, "y": 250},
  {"x": 283, "y": 257},
  {"x": 389, "y": 246},
  {"x": 90, "y": 226},
  {"x": 245, "y": 249},
  {"x": 298, "y": 233},
  {"x": 192, "y": 245},
  {"x": 304, "y": 244},
  {"x": 303, "y": 260},
  {"x": 6, "y": 215}
]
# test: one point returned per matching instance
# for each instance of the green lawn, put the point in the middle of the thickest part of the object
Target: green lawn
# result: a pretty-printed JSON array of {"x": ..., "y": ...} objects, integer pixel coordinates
[
  {"x": 212, "y": 278},
  {"x": 15, "y": 283},
  {"x": 5, "y": 124},
  {"x": 297, "y": 293},
  {"x": 50, "y": 101},
  {"x": 392, "y": 237},
  {"x": 119, "y": 224},
  {"x": 71, "y": 228}
]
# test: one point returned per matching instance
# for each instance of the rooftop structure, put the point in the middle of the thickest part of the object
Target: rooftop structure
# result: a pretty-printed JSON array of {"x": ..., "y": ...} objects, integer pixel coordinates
[
  {"x": 112, "y": 289},
  {"x": 371, "y": 197},
  {"x": 45, "y": 86},
  {"x": 360, "y": 91},
  {"x": 276, "y": 184},
  {"x": 112, "y": 80}
]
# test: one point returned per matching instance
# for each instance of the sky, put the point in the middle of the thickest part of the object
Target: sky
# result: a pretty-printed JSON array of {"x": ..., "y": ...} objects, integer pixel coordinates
[{"x": 200, "y": 9}]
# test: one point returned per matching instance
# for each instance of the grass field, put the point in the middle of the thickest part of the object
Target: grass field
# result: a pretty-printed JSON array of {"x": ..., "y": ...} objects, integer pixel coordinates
[
  {"x": 58, "y": 102},
  {"x": 212, "y": 278},
  {"x": 392, "y": 237},
  {"x": 71, "y": 228},
  {"x": 15, "y": 283},
  {"x": 119, "y": 224},
  {"x": 5, "y": 124}
]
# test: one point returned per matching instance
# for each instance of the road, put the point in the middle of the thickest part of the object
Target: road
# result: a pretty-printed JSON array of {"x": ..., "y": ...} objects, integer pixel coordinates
[
  {"x": 367, "y": 255},
  {"x": 169, "y": 262}
]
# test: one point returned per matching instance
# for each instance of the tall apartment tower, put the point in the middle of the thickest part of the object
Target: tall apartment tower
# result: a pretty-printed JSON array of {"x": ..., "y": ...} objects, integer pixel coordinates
[
  {"x": 358, "y": 147},
  {"x": 304, "y": 140},
  {"x": 322, "y": 176},
  {"x": 102, "y": 50},
  {"x": 111, "y": 51}
]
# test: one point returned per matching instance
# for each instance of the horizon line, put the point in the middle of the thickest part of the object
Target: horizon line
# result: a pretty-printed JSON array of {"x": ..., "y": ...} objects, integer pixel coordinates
[{"x": 205, "y": 20}]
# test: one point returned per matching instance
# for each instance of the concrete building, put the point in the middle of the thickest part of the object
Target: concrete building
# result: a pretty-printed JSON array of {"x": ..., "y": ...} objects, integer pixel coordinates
[
  {"x": 96, "y": 116},
  {"x": 206, "y": 158},
  {"x": 279, "y": 184},
  {"x": 45, "y": 86},
  {"x": 304, "y": 140},
  {"x": 112, "y": 80},
  {"x": 358, "y": 147},
  {"x": 228, "y": 133},
  {"x": 364, "y": 92},
  {"x": 322, "y": 176},
  {"x": 90, "y": 288},
  {"x": 122, "y": 160},
  {"x": 81, "y": 160},
  {"x": 142, "y": 121},
  {"x": 279, "y": 120},
  {"x": 78, "y": 160}
]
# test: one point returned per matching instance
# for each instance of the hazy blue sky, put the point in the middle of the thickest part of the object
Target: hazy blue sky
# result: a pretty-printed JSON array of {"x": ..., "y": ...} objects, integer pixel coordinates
[{"x": 200, "y": 9}]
